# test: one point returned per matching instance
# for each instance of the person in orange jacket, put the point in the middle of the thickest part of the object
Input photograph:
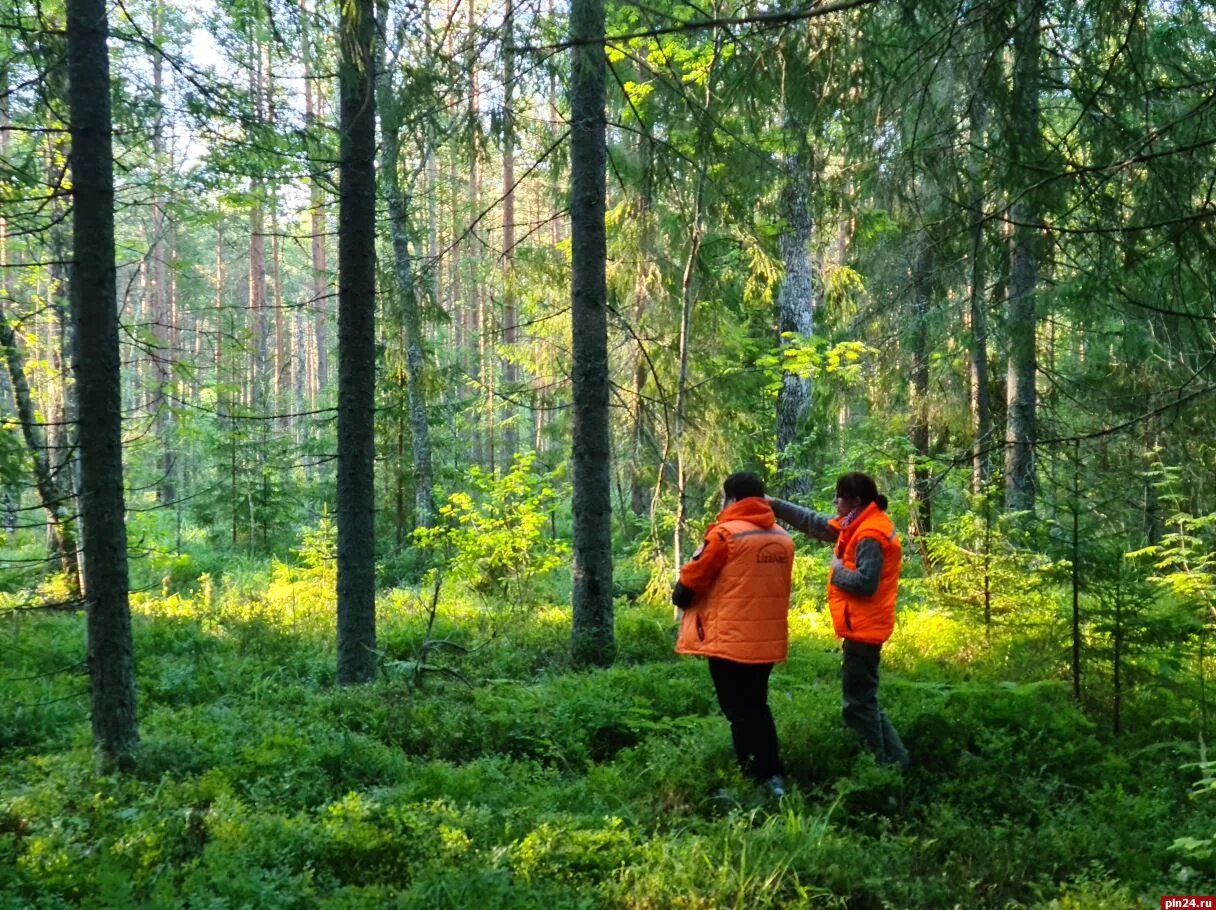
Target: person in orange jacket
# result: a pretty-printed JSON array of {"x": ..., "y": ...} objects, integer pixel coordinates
[
  {"x": 735, "y": 593},
  {"x": 862, "y": 585}
]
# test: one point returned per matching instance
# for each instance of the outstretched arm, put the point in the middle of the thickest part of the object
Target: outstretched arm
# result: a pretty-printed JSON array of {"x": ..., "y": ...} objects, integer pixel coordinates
[{"x": 812, "y": 524}]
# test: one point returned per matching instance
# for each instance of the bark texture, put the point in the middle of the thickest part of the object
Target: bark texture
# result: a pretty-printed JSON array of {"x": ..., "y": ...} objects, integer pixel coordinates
[
  {"x": 110, "y": 655},
  {"x": 1023, "y": 279},
  {"x": 592, "y": 634},
  {"x": 356, "y": 347}
]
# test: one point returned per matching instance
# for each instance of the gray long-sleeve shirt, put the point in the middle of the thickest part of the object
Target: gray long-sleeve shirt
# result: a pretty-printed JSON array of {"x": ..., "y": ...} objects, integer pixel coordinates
[{"x": 864, "y": 580}]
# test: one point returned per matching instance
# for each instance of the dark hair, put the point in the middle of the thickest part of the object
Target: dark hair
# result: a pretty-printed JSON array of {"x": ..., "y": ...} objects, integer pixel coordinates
[
  {"x": 742, "y": 485},
  {"x": 860, "y": 486}
]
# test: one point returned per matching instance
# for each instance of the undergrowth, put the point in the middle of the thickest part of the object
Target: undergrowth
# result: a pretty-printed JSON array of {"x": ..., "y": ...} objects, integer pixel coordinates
[{"x": 485, "y": 773}]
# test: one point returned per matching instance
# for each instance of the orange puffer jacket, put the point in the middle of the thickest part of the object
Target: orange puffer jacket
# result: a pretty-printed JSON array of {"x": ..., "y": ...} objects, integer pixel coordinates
[
  {"x": 741, "y": 576},
  {"x": 867, "y": 619}
]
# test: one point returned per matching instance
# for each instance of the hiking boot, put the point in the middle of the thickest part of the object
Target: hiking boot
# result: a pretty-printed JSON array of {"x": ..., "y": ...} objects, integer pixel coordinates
[{"x": 775, "y": 786}]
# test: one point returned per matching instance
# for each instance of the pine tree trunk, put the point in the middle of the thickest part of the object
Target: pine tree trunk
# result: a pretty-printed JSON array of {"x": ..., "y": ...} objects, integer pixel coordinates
[
  {"x": 319, "y": 361},
  {"x": 510, "y": 375},
  {"x": 110, "y": 655},
  {"x": 591, "y": 640},
  {"x": 282, "y": 340},
  {"x": 475, "y": 327},
  {"x": 1023, "y": 320},
  {"x": 356, "y": 347}
]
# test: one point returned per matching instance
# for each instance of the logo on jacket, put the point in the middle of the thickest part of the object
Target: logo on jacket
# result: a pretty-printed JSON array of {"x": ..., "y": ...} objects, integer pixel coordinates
[{"x": 771, "y": 552}]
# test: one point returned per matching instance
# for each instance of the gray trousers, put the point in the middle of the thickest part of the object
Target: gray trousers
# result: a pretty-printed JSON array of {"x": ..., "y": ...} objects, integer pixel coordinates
[{"x": 859, "y": 688}]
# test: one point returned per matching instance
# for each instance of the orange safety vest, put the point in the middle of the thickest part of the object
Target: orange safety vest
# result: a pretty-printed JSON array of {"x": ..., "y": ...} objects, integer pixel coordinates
[
  {"x": 742, "y": 616},
  {"x": 867, "y": 619}
]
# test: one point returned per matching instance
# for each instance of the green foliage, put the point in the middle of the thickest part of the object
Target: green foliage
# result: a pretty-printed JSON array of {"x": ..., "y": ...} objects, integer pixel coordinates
[
  {"x": 262, "y": 783},
  {"x": 1184, "y": 562},
  {"x": 497, "y": 539},
  {"x": 980, "y": 568},
  {"x": 1199, "y": 853}
]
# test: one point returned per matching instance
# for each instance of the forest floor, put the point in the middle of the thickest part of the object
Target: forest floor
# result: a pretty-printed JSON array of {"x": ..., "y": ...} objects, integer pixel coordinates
[{"x": 499, "y": 777}]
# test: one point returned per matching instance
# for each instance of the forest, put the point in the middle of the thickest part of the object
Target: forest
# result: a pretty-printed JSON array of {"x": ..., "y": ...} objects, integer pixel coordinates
[{"x": 371, "y": 367}]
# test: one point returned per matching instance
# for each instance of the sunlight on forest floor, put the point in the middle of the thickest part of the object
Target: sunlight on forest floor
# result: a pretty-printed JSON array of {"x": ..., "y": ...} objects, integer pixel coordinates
[{"x": 481, "y": 771}]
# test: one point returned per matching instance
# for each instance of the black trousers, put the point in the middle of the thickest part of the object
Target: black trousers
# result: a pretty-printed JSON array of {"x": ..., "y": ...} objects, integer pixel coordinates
[
  {"x": 859, "y": 690},
  {"x": 743, "y": 696}
]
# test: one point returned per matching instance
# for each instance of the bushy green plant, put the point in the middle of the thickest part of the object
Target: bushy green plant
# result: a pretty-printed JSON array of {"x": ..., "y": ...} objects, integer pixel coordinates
[
  {"x": 980, "y": 569},
  {"x": 496, "y": 539}
]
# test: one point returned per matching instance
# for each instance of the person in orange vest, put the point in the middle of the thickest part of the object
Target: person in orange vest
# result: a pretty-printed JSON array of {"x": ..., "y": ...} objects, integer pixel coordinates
[
  {"x": 735, "y": 593},
  {"x": 862, "y": 584}
]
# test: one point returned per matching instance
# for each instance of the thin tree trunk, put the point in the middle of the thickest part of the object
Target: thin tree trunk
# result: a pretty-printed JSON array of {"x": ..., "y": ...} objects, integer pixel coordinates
[
  {"x": 407, "y": 298},
  {"x": 55, "y": 495},
  {"x": 282, "y": 338},
  {"x": 319, "y": 362},
  {"x": 591, "y": 640},
  {"x": 1023, "y": 320},
  {"x": 10, "y": 494},
  {"x": 639, "y": 494},
  {"x": 356, "y": 347},
  {"x": 920, "y": 509},
  {"x": 158, "y": 255},
  {"x": 110, "y": 654},
  {"x": 795, "y": 315},
  {"x": 510, "y": 434},
  {"x": 1117, "y": 658},
  {"x": 687, "y": 300},
  {"x": 981, "y": 408},
  {"x": 1075, "y": 508},
  {"x": 55, "y": 405},
  {"x": 476, "y": 328},
  {"x": 686, "y": 304}
]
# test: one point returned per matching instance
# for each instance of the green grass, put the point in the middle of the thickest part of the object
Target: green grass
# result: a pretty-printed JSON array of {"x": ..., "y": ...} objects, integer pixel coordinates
[{"x": 525, "y": 784}]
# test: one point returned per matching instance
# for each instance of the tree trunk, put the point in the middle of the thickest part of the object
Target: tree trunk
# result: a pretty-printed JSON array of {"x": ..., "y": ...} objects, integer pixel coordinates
[
  {"x": 795, "y": 314},
  {"x": 319, "y": 362},
  {"x": 981, "y": 409},
  {"x": 510, "y": 375},
  {"x": 1023, "y": 321},
  {"x": 110, "y": 655},
  {"x": 282, "y": 340},
  {"x": 645, "y": 280},
  {"x": 686, "y": 304},
  {"x": 920, "y": 512},
  {"x": 53, "y": 491},
  {"x": 687, "y": 300},
  {"x": 356, "y": 347},
  {"x": 475, "y": 326},
  {"x": 158, "y": 255},
  {"x": 591, "y": 640},
  {"x": 407, "y": 297},
  {"x": 55, "y": 405}
]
